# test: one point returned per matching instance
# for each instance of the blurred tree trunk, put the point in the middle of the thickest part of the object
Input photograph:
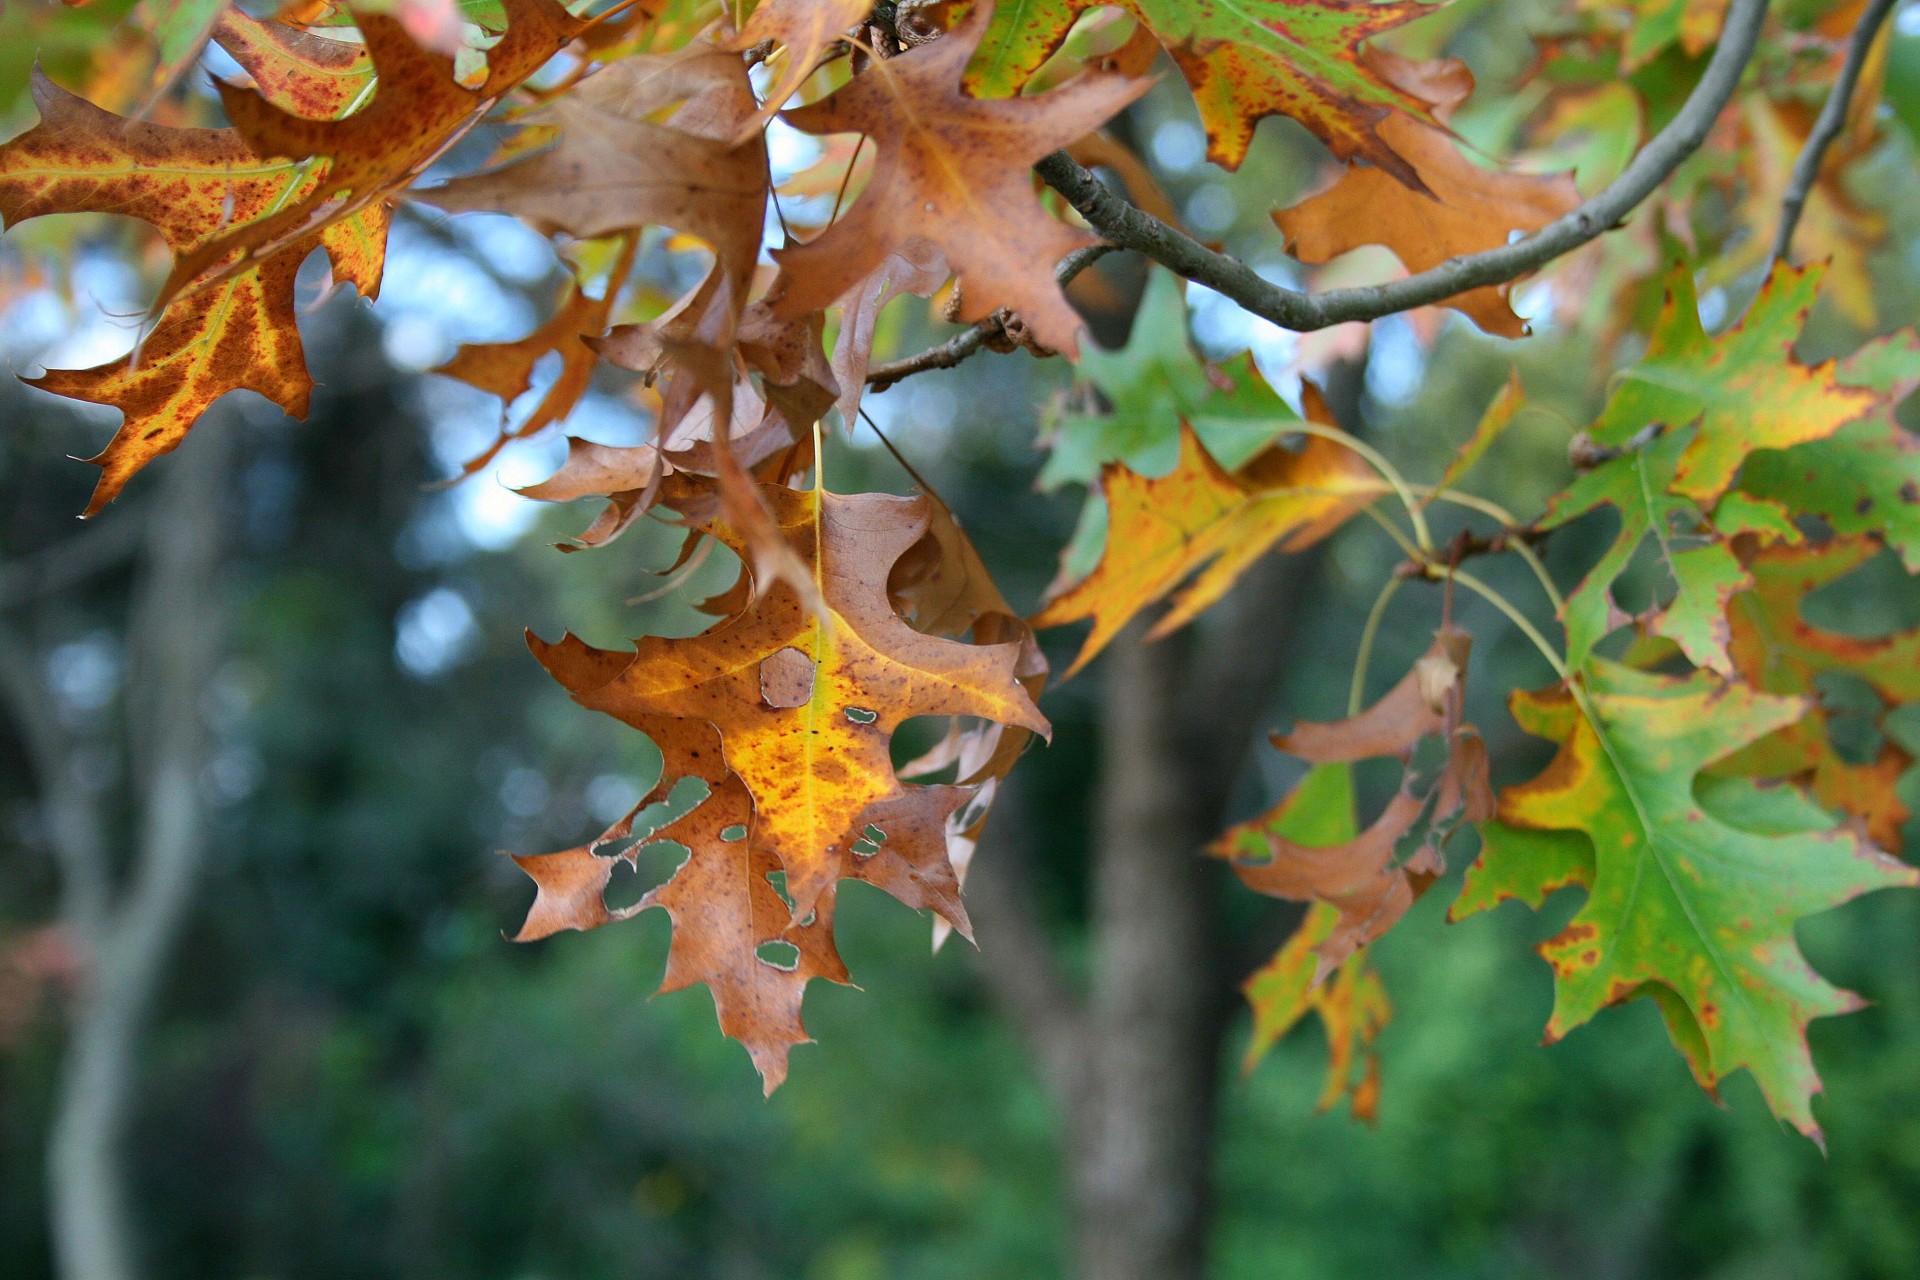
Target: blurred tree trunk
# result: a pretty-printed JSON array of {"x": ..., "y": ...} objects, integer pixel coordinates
[
  {"x": 125, "y": 899},
  {"x": 1133, "y": 1062}
]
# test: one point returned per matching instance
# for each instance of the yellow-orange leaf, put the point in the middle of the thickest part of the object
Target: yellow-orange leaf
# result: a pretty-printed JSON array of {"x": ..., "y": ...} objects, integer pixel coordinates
[{"x": 1201, "y": 519}]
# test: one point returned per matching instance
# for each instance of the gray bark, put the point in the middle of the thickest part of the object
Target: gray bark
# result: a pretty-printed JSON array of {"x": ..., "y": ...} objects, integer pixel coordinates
[
  {"x": 127, "y": 911},
  {"x": 1133, "y": 1062}
]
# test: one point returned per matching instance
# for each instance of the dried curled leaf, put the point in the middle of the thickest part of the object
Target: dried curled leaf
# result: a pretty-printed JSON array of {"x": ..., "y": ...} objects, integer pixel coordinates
[
  {"x": 1353, "y": 1005},
  {"x": 1367, "y": 879}
]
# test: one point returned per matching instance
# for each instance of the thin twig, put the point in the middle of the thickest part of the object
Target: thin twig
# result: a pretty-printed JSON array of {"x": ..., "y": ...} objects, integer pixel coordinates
[
  {"x": 1833, "y": 118},
  {"x": 1131, "y": 228},
  {"x": 969, "y": 340}
]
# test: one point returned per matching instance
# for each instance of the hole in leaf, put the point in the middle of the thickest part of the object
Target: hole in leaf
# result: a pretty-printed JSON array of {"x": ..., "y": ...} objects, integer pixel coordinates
[
  {"x": 778, "y": 879},
  {"x": 738, "y": 831},
  {"x": 781, "y": 955},
  {"x": 860, "y": 715},
  {"x": 875, "y": 834},
  {"x": 786, "y": 679}
]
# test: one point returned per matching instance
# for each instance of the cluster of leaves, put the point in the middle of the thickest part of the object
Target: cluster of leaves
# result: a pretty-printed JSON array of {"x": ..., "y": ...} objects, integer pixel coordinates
[{"x": 1697, "y": 796}]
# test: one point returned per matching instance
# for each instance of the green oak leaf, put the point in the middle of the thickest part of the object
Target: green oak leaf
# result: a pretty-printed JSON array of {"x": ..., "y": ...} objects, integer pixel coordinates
[
  {"x": 1691, "y": 897},
  {"x": 1865, "y": 477},
  {"x": 1696, "y": 555},
  {"x": 1245, "y": 60},
  {"x": 1744, "y": 389}
]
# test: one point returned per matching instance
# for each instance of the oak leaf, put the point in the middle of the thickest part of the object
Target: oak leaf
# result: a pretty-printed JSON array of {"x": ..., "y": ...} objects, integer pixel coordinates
[
  {"x": 190, "y": 184},
  {"x": 724, "y": 911},
  {"x": 952, "y": 170},
  {"x": 1463, "y": 209},
  {"x": 1744, "y": 389},
  {"x": 417, "y": 110},
  {"x": 806, "y": 704},
  {"x": 614, "y": 169},
  {"x": 1778, "y": 651},
  {"x": 1297, "y": 58},
  {"x": 1352, "y": 1005},
  {"x": 1366, "y": 879},
  {"x": 803, "y": 29},
  {"x": 1682, "y": 903},
  {"x": 1205, "y": 523}
]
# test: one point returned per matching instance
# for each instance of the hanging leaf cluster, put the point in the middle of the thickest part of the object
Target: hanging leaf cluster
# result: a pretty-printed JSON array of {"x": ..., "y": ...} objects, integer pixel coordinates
[{"x": 1655, "y": 156}]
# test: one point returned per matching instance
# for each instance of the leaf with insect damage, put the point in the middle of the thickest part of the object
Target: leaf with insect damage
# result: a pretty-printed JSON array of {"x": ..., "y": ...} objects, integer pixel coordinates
[
  {"x": 1244, "y": 61},
  {"x": 1692, "y": 902},
  {"x": 805, "y": 702},
  {"x": 1208, "y": 524},
  {"x": 952, "y": 170},
  {"x": 1367, "y": 879},
  {"x": 192, "y": 184},
  {"x": 725, "y": 911}
]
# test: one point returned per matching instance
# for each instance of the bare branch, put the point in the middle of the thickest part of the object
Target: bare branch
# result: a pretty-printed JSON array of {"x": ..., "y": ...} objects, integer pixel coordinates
[
  {"x": 1131, "y": 228},
  {"x": 1833, "y": 117},
  {"x": 969, "y": 340}
]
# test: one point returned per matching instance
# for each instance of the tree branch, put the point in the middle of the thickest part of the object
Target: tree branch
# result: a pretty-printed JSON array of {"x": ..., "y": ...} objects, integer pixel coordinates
[
  {"x": 1130, "y": 228},
  {"x": 1833, "y": 117},
  {"x": 969, "y": 340}
]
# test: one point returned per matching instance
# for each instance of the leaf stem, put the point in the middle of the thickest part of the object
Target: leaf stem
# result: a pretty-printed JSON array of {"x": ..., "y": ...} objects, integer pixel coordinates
[
  {"x": 1388, "y": 472},
  {"x": 1368, "y": 634},
  {"x": 1517, "y": 618}
]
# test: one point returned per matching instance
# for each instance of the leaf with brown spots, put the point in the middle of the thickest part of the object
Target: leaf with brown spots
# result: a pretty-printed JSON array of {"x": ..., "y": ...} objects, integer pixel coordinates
[
  {"x": 190, "y": 184},
  {"x": 1206, "y": 523},
  {"x": 1245, "y": 61},
  {"x": 1352, "y": 1005},
  {"x": 952, "y": 170},
  {"x": 804, "y": 704},
  {"x": 1682, "y": 903},
  {"x": 1366, "y": 878},
  {"x": 1778, "y": 651},
  {"x": 416, "y": 111}
]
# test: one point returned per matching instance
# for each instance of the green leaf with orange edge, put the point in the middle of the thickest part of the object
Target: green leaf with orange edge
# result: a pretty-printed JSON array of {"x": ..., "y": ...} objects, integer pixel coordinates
[
  {"x": 1695, "y": 551},
  {"x": 190, "y": 184},
  {"x": 1691, "y": 900},
  {"x": 1865, "y": 477},
  {"x": 1744, "y": 388},
  {"x": 1352, "y": 1004},
  {"x": 1778, "y": 651},
  {"x": 1206, "y": 523},
  {"x": 1245, "y": 61}
]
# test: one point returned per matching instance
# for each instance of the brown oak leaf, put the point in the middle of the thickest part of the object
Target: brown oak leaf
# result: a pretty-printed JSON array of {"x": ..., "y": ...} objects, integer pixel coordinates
[{"x": 952, "y": 170}]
